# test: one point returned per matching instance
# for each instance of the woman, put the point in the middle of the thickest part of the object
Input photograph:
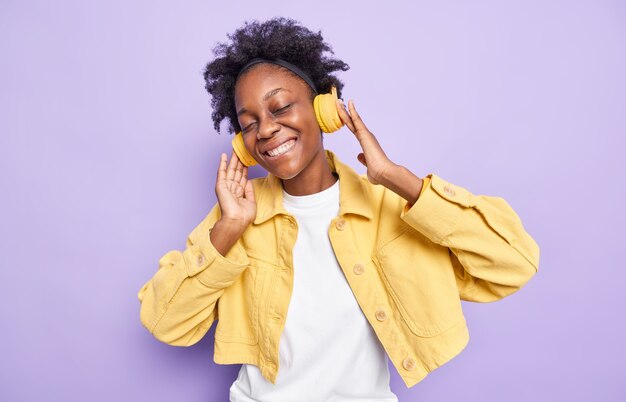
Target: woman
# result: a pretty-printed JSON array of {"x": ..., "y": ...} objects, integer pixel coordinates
[{"x": 318, "y": 275}]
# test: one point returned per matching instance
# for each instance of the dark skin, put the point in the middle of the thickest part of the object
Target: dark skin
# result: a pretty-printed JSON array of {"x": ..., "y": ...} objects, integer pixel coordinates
[
  {"x": 275, "y": 112},
  {"x": 275, "y": 108}
]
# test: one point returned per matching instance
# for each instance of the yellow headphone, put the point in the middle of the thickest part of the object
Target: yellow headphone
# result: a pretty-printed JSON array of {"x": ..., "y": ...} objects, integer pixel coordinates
[{"x": 325, "y": 106}]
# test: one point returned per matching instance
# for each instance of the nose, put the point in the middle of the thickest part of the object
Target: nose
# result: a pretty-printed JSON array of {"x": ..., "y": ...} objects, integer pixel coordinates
[{"x": 268, "y": 126}]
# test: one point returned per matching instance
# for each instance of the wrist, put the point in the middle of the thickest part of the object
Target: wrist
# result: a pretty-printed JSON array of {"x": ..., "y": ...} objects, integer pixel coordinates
[
  {"x": 403, "y": 182},
  {"x": 231, "y": 225},
  {"x": 225, "y": 234},
  {"x": 390, "y": 175}
]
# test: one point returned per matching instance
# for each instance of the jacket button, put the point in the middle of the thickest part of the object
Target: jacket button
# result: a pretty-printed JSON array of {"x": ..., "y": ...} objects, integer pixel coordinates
[
  {"x": 408, "y": 363},
  {"x": 449, "y": 190},
  {"x": 200, "y": 260},
  {"x": 340, "y": 224},
  {"x": 358, "y": 268},
  {"x": 381, "y": 315}
]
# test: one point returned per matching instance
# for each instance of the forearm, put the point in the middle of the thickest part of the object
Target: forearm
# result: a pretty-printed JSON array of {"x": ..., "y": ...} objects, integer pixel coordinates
[
  {"x": 403, "y": 182},
  {"x": 175, "y": 308},
  {"x": 177, "y": 304},
  {"x": 494, "y": 255},
  {"x": 225, "y": 234}
]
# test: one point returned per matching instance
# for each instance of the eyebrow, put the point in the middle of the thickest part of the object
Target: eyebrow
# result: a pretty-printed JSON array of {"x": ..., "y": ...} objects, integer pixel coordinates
[{"x": 268, "y": 95}]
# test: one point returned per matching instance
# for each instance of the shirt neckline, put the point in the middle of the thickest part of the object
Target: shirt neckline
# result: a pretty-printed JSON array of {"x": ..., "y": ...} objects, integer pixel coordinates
[{"x": 311, "y": 201}]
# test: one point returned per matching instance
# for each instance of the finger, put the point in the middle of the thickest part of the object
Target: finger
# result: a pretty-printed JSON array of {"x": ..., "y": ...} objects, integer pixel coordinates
[
  {"x": 237, "y": 190},
  {"x": 361, "y": 158},
  {"x": 238, "y": 171},
  {"x": 344, "y": 116},
  {"x": 238, "y": 174},
  {"x": 244, "y": 176},
  {"x": 249, "y": 191},
  {"x": 221, "y": 170},
  {"x": 356, "y": 119},
  {"x": 366, "y": 138},
  {"x": 230, "y": 171}
]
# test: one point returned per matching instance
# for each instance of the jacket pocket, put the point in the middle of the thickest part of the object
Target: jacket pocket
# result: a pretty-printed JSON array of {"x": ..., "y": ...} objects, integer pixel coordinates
[
  {"x": 419, "y": 277},
  {"x": 238, "y": 307}
]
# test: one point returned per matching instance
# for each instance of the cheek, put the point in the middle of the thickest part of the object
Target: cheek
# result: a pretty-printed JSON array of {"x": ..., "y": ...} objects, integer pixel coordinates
[{"x": 305, "y": 118}]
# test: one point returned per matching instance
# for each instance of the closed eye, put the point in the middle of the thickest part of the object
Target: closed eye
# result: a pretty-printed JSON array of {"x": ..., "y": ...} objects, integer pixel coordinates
[
  {"x": 282, "y": 109},
  {"x": 247, "y": 128}
]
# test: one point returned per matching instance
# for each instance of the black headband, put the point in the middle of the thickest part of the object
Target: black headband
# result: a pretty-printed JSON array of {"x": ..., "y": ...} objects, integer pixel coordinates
[{"x": 282, "y": 63}]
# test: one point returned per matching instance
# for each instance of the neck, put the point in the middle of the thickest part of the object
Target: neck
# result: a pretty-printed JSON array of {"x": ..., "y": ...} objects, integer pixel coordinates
[{"x": 315, "y": 178}]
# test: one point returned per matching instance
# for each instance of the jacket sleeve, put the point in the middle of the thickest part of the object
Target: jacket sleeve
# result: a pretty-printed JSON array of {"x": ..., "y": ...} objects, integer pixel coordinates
[
  {"x": 178, "y": 305},
  {"x": 491, "y": 253}
]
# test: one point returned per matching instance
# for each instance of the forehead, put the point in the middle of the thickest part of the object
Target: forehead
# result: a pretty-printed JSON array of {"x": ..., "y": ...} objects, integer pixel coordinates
[{"x": 261, "y": 78}]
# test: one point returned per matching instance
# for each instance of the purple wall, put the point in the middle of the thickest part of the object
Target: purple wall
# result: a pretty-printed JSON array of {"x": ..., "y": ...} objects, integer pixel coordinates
[{"x": 108, "y": 158}]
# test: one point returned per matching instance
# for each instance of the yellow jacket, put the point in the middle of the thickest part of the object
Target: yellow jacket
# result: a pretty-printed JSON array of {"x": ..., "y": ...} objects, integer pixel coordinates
[{"x": 409, "y": 267}]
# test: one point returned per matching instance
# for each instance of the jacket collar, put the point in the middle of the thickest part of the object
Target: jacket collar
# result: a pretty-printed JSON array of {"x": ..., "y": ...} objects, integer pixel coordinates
[{"x": 354, "y": 193}]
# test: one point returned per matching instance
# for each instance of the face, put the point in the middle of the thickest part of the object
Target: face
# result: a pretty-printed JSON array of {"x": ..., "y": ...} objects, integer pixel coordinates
[{"x": 278, "y": 123}]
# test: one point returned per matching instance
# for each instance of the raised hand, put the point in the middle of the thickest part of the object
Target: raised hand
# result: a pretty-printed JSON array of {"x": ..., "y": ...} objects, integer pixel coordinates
[
  {"x": 380, "y": 170},
  {"x": 373, "y": 156},
  {"x": 235, "y": 194}
]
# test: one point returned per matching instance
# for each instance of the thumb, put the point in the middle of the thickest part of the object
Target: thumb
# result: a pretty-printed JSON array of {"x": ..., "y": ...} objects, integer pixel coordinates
[
  {"x": 249, "y": 191},
  {"x": 361, "y": 158}
]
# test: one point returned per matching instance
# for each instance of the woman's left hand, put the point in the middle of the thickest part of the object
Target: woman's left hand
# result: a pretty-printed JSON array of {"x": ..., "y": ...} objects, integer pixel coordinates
[
  {"x": 373, "y": 156},
  {"x": 380, "y": 170}
]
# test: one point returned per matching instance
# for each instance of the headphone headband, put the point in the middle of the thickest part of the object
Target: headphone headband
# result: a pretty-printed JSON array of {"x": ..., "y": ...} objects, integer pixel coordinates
[{"x": 294, "y": 69}]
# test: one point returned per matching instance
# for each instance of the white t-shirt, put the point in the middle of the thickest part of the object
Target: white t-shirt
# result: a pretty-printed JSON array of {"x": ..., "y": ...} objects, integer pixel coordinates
[{"x": 327, "y": 351}]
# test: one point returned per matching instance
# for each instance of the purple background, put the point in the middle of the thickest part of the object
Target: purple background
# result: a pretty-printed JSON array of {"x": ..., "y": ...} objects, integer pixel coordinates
[{"x": 108, "y": 159}]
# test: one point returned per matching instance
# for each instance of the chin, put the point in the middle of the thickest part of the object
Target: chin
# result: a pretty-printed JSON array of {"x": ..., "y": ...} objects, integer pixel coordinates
[
  {"x": 291, "y": 164},
  {"x": 287, "y": 167},
  {"x": 286, "y": 172}
]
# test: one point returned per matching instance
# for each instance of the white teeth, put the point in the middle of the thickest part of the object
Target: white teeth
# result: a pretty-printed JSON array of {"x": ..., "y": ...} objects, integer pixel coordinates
[{"x": 281, "y": 149}]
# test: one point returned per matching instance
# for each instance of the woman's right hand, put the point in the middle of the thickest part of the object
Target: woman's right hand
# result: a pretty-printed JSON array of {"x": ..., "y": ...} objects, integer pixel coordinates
[
  {"x": 235, "y": 193},
  {"x": 235, "y": 196}
]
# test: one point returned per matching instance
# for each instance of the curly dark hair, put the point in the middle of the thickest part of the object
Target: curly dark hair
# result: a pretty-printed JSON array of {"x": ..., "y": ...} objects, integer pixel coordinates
[{"x": 277, "y": 38}]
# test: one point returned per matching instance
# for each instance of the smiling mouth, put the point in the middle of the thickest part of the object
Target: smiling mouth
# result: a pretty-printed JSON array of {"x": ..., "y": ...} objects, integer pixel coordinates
[{"x": 281, "y": 149}]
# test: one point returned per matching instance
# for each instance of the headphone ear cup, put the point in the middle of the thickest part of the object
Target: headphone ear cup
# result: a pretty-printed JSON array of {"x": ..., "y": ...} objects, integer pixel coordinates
[
  {"x": 241, "y": 151},
  {"x": 325, "y": 106}
]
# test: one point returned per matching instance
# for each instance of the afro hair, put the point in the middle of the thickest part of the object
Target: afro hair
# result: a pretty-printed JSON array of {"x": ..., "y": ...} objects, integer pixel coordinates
[{"x": 277, "y": 38}]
